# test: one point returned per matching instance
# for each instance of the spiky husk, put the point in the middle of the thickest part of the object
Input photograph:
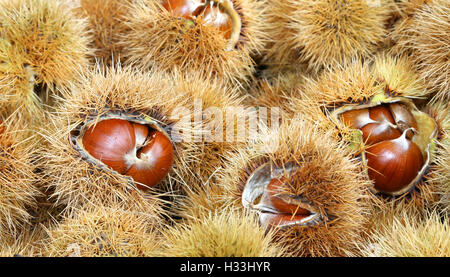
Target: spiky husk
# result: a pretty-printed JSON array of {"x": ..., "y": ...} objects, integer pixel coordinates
[
  {"x": 42, "y": 46},
  {"x": 105, "y": 232},
  {"x": 358, "y": 83},
  {"x": 191, "y": 47},
  {"x": 328, "y": 177},
  {"x": 323, "y": 33},
  {"x": 273, "y": 94},
  {"x": 106, "y": 22},
  {"x": 408, "y": 233},
  {"x": 25, "y": 244},
  {"x": 426, "y": 36},
  {"x": 440, "y": 173},
  {"x": 154, "y": 95},
  {"x": 18, "y": 189},
  {"x": 225, "y": 233},
  {"x": 401, "y": 16}
]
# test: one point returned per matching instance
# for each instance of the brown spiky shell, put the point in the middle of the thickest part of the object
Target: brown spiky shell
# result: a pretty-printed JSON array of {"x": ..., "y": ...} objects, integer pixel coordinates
[
  {"x": 323, "y": 33},
  {"x": 18, "y": 180},
  {"x": 104, "y": 232},
  {"x": 425, "y": 36},
  {"x": 439, "y": 173},
  {"x": 42, "y": 47},
  {"x": 327, "y": 178},
  {"x": 221, "y": 233},
  {"x": 155, "y": 97},
  {"x": 106, "y": 22},
  {"x": 191, "y": 45},
  {"x": 399, "y": 232}
]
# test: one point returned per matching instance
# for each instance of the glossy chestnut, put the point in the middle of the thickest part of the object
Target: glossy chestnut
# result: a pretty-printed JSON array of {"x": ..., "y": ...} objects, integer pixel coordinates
[
  {"x": 154, "y": 160},
  {"x": 402, "y": 116},
  {"x": 213, "y": 16},
  {"x": 394, "y": 164},
  {"x": 111, "y": 141},
  {"x": 377, "y": 132},
  {"x": 381, "y": 114},
  {"x": 183, "y": 8},
  {"x": 356, "y": 119},
  {"x": 131, "y": 149}
]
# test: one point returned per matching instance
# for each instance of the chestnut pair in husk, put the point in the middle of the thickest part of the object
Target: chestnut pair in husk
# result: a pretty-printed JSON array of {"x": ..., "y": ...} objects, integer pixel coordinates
[
  {"x": 394, "y": 160},
  {"x": 134, "y": 149},
  {"x": 211, "y": 12},
  {"x": 267, "y": 192}
]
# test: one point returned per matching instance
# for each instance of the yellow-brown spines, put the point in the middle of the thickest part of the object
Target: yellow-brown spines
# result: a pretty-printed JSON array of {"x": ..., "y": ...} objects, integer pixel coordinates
[
  {"x": 425, "y": 36},
  {"x": 42, "y": 47},
  {"x": 160, "y": 97},
  {"x": 324, "y": 33},
  {"x": 18, "y": 180},
  {"x": 225, "y": 233},
  {"x": 327, "y": 177},
  {"x": 106, "y": 22},
  {"x": 157, "y": 37},
  {"x": 439, "y": 178},
  {"x": 407, "y": 233},
  {"x": 104, "y": 232}
]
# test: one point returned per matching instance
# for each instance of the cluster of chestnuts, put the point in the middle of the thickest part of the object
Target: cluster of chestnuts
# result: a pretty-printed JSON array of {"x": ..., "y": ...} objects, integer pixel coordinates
[
  {"x": 131, "y": 149},
  {"x": 393, "y": 160}
]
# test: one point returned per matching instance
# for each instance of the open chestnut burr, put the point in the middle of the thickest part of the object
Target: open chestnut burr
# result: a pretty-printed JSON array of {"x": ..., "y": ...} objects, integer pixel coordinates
[
  {"x": 396, "y": 148},
  {"x": 266, "y": 192},
  {"x": 137, "y": 149},
  {"x": 219, "y": 14}
]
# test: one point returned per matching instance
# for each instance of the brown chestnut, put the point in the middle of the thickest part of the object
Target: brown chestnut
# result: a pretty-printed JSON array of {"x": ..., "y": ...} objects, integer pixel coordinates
[
  {"x": 183, "y": 8},
  {"x": 377, "y": 132},
  {"x": 394, "y": 164},
  {"x": 212, "y": 15},
  {"x": 131, "y": 149},
  {"x": 281, "y": 201},
  {"x": 153, "y": 161},
  {"x": 356, "y": 119},
  {"x": 381, "y": 114},
  {"x": 402, "y": 116},
  {"x": 111, "y": 141}
]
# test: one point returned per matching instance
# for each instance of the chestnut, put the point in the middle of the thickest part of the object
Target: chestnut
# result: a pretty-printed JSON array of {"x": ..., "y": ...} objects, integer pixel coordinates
[
  {"x": 214, "y": 16},
  {"x": 131, "y": 149},
  {"x": 281, "y": 201},
  {"x": 377, "y": 132},
  {"x": 402, "y": 116},
  {"x": 394, "y": 164},
  {"x": 268, "y": 191},
  {"x": 183, "y": 8},
  {"x": 381, "y": 114},
  {"x": 111, "y": 141},
  {"x": 356, "y": 119},
  {"x": 153, "y": 161}
]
